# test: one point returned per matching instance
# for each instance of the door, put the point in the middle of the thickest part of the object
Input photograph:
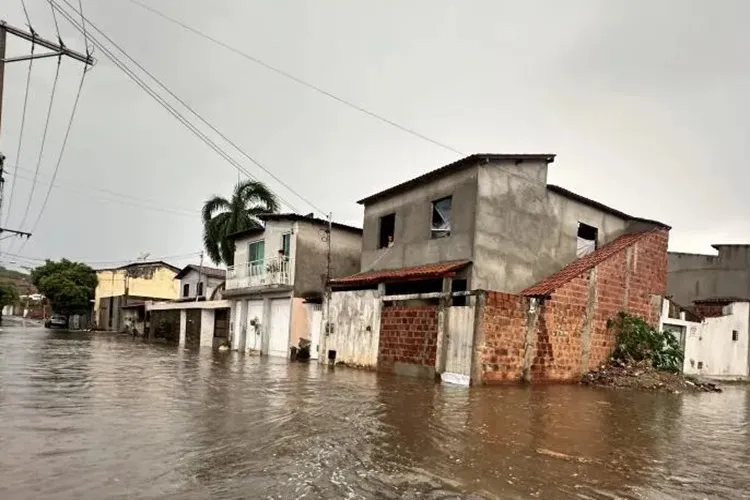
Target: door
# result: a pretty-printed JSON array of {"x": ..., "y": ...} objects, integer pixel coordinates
[
  {"x": 459, "y": 344},
  {"x": 316, "y": 317},
  {"x": 255, "y": 324},
  {"x": 278, "y": 327},
  {"x": 193, "y": 328}
]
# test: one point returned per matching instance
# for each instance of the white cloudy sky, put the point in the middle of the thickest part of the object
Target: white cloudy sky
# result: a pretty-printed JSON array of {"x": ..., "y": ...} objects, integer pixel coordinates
[{"x": 645, "y": 103}]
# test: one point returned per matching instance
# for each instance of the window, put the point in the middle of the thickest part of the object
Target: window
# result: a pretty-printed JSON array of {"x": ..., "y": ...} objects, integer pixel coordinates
[
  {"x": 735, "y": 335},
  {"x": 186, "y": 290},
  {"x": 441, "y": 217},
  {"x": 387, "y": 230},
  {"x": 587, "y": 239},
  {"x": 256, "y": 251},
  {"x": 200, "y": 289},
  {"x": 286, "y": 244}
]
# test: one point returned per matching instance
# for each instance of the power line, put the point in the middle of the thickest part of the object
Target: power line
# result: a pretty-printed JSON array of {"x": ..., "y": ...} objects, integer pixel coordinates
[
  {"x": 44, "y": 141},
  {"x": 107, "y": 262},
  {"x": 297, "y": 79},
  {"x": 57, "y": 26},
  {"x": 26, "y": 13},
  {"x": 157, "y": 97}
]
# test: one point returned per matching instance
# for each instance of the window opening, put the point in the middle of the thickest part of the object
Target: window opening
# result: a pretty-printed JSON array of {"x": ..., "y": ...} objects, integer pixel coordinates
[
  {"x": 387, "y": 230},
  {"x": 587, "y": 239},
  {"x": 441, "y": 217}
]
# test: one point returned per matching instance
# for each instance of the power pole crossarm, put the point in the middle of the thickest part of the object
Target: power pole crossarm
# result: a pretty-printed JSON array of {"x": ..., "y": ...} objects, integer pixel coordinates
[{"x": 58, "y": 48}]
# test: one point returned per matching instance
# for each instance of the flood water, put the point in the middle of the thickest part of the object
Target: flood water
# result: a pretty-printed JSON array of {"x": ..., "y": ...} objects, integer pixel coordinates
[{"x": 96, "y": 416}]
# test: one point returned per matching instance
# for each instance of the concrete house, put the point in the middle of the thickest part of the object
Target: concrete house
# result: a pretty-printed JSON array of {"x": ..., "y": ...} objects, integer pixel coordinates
[
  {"x": 277, "y": 282},
  {"x": 465, "y": 268},
  {"x": 200, "y": 282},
  {"x": 121, "y": 293},
  {"x": 698, "y": 277}
]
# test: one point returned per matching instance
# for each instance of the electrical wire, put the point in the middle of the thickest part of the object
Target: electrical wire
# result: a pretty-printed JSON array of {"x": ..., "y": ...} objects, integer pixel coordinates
[
  {"x": 20, "y": 134},
  {"x": 26, "y": 13},
  {"x": 163, "y": 102},
  {"x": 59, "y": 158},
  {"x": 110, "y": 262},
  {"x": 197, "y": 115},
  {"x": 83, "y": 24},
  {"x": 297, "y": 79},
  {"x": 57, "y": 26},
  {"x": 44, "y": 141}
]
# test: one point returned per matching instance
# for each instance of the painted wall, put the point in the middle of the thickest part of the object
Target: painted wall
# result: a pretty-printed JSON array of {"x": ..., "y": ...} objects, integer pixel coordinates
[
  {"x": 695, "y": 276},
  {"x": 312, "y": 254},
  {"x": 355, "y": 320},
  {"x": 300, "y": 323},
  {"x": 709, "y": 347},
  {"x": 192, "y": 278},
  {"x": 274, "y": 230},
  {"x": 207, "y": 327},
  {"x": 524, "y": 232},
  {"x": 159, "y": 284},
  {"x": 412, "y": 243}
]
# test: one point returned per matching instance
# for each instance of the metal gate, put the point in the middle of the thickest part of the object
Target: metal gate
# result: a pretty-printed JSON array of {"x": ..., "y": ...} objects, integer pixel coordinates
[{"x": 459, "y": 345}]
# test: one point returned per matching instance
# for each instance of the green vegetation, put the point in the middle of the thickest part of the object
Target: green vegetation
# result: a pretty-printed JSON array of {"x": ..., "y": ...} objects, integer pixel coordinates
[
  {"x": 639, "y": 341},
  {"x": 222, "y": 217},
  {"x": 21, "y": 280},
  {"x": 8, "y": 296},
  {"x": 68, "y": 286}
]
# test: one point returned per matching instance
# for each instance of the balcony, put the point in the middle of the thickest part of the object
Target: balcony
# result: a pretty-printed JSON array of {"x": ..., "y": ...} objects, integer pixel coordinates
[{"x": 259, "y": 273}]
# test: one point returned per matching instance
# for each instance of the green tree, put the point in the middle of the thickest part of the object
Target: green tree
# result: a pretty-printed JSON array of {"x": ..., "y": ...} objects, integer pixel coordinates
[
  {"x": 222, "y": 217},
  {"x": 68, "y": 286},
  {"x": 8, "y": 296}
]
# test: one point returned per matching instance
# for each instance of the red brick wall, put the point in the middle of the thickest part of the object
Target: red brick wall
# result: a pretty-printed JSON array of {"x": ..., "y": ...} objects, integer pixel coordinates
[
  {"x": 710, "y": 309},
  {"x": 408, "y": 335},
  {"x": 627, "y": 280}
]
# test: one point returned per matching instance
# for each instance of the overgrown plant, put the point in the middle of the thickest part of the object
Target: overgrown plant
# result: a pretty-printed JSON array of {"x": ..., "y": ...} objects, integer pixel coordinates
[{"x": 639, "y": 341}]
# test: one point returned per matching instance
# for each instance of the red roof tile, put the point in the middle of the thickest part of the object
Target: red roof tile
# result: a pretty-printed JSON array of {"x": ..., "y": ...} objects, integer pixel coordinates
[
  {"x": 405, "y": 273},
  {"x": 576, "y": 268}
]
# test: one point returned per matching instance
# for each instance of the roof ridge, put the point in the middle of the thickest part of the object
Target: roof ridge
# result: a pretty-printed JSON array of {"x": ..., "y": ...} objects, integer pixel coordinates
[{"x": 568, "y": 273}]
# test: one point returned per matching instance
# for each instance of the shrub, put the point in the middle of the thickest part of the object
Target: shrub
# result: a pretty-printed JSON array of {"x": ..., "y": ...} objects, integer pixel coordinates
[{"x": 639, "y": 341}]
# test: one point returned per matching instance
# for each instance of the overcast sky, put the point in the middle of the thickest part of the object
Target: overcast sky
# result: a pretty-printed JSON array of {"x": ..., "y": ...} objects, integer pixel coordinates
[{"x": 644, "y": 102}]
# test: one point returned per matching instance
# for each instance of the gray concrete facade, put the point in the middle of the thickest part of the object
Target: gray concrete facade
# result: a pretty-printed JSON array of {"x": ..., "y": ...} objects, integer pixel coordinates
[
  {"x": 693, "y": 277},
  {"x": 514, "y": 228}
]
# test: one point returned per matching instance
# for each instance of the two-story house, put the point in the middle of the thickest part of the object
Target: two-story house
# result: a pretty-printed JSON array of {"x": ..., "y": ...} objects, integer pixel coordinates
[
  {"x": 127, "y": 288},
  {"x": 277, "y": 282},
  {"x": 488, "y": 223}
]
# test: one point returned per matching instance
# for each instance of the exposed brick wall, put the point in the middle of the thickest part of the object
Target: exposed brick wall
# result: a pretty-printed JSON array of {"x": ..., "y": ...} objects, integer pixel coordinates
[
  {"x": 571, "y": 334},
  {"x": 408, "y": 335},
  {"x": 710, "y": 309}
]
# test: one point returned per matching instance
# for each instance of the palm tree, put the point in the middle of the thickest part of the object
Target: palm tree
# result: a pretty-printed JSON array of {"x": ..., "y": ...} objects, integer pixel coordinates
[{"x": 222, "y": 217}]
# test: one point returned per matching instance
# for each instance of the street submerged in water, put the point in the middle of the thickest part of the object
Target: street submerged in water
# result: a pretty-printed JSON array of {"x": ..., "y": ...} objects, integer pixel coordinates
[{"x": 98, "y": 416}]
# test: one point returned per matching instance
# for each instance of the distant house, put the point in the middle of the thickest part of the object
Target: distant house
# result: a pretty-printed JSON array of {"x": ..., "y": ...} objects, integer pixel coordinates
[
  {"x": 483, "y": 272},
  {"x": 277, "y": 282},
  {"x": 695, "y": 277},
  {"x": 121, "y": 293},
  {"x": 200, "y": 282}
]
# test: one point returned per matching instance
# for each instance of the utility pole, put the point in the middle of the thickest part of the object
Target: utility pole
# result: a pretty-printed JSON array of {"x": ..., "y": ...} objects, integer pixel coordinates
[
  {"x": 329, "y": 232},
  {"x": 57, "y": 50},
  {"x": 200, "y": 280}
]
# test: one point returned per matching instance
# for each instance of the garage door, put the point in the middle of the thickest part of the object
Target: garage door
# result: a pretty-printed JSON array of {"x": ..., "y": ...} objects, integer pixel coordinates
[
  {"x": 254, "y": 312},
  {"x": 278, "y": 326}
]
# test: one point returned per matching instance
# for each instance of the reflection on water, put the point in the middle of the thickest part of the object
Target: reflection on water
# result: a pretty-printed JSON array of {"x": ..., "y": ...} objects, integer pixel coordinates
[{"x": 101, "y": 417}]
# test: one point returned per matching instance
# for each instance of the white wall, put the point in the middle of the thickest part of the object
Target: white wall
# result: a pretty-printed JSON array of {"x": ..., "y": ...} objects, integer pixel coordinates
[
  {"x": 709, "y": 348},
  {"x": 192, "y": 278},
  {"x": 351, "y": 313},
  {"x": 207, "y": 327}
]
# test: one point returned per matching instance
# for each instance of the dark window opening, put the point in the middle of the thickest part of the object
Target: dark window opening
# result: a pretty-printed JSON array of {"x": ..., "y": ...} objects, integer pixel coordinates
[
  {"x": 459, "y": 285},
  {"x": 587, "y": 239},
  {"x": 200, "y": 289},
  {"x": 286, "y": 244},
  {"x": 387, "y": 230},
  {"x": 412, "y": 287},
  {"x": 186, "y": 290},
  {"x": 735, "y": 335},
  {"x": 441, "y": 217}
]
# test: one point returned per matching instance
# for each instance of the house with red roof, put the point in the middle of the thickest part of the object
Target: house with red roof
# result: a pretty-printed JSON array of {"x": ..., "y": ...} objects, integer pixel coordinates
[{"x": 481, "y": 272}]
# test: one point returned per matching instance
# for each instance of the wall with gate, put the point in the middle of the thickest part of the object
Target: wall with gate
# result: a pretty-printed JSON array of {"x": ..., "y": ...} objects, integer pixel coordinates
[{"x": 351, "y": 328}]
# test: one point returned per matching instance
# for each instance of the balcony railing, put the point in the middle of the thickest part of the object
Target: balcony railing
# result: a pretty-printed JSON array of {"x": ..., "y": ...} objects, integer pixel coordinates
[{"x": 259, "y": 273}]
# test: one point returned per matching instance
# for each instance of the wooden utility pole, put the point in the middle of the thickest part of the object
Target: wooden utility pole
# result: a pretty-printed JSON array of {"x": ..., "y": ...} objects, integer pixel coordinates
[
  {"x": 57, "y": 50},
  {"x": 200, "y": 280}
]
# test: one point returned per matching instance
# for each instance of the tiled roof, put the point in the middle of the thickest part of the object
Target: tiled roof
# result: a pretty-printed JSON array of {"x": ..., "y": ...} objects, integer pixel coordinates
[
  {"x": 721, "y": 300},
  {"x": 211, "y": 272},
  {"x": 403, "y": 274},
  {"x": 571, "y": 271}
]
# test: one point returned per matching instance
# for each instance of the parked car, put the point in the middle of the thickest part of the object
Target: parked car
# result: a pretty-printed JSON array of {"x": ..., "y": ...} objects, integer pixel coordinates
[{"x": 56, "y": 321}]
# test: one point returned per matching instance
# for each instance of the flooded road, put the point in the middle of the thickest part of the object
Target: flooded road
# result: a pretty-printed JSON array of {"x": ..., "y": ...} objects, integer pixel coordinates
[{"x": 86, "y": 416}]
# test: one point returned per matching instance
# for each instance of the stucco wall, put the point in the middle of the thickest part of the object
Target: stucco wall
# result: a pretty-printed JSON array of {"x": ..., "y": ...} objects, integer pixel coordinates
[
  {"x": 709, "y": 348},
  {"x": 192, "y": 278},
  {"x": 274, "y": 230},
  {"x": 312, "y": 254},
  {"x": 162, "y": 285},
  {"x": 355, "y": 319},
  {"x": 695, "y": 276},
  {"x": 412, "y": 243},
  {"x": 524, "y": 232}
]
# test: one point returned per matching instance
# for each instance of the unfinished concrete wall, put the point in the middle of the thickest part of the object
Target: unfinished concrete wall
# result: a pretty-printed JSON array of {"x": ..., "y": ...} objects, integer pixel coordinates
[
  {"x": 353, "y": 330},
  {"x": 567, "y": 335},
  {"x": 525, "y": 232},
  {"x": 408, "y": 340},
  {"x": 413, "y": 244},
  {"x": 310, "y": 259},
  {"x": 696, "y": 277}
]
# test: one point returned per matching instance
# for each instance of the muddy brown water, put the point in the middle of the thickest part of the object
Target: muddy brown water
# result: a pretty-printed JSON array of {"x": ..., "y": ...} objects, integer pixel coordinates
[{"x": 86, "y": 416}]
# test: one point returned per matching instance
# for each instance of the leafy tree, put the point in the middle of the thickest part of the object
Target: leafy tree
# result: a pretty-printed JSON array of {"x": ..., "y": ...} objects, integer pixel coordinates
[
  {"x": 8, "y": 296},
  {"x": 68, "y": 286},
  {"x": 222, "y": 217},
  {"x": 639, "y": 341}
]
